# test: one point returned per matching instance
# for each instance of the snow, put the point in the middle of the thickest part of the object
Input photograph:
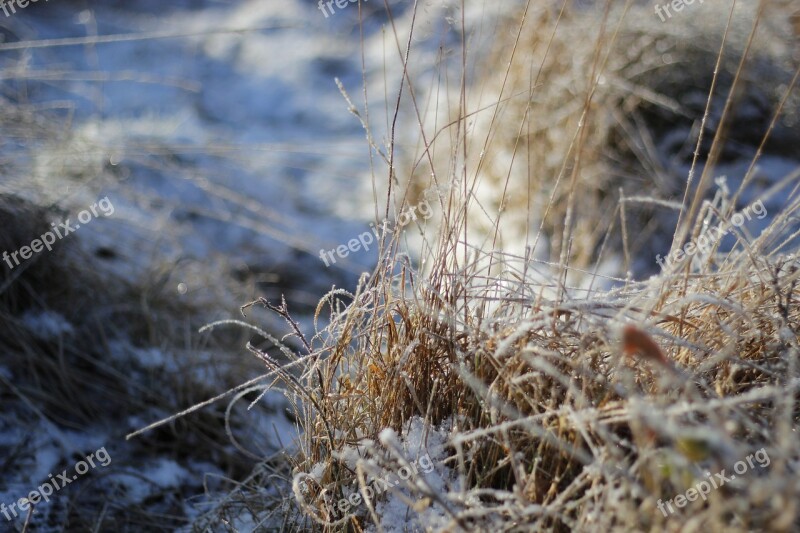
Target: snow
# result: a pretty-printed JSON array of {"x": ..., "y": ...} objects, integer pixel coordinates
[
  {"x": 151, "y": 358},
  {"x": 47, "y": 325},
  {"x": 43, "y": 456},
  {"x": 167, "y": 473},
  {"x": 249, "y": 113},
  {"x": 221, "y": 150},
  {"x": 417, "y": 442},
  {"x": 163, "y": 473}
]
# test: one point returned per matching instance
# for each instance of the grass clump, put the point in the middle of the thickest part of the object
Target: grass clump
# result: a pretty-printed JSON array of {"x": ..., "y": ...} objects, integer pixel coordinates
[{"x": 549, "y": 405}]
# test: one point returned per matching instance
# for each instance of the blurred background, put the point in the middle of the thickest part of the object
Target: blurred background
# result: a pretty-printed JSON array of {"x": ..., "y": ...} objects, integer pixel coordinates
[
  {"x": 218, "y": 133},
  {"x": 234, "y": 160}
]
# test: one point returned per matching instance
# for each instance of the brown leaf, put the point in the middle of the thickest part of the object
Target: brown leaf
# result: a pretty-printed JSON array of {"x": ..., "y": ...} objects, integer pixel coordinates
[{"x": 637, "y": 342}]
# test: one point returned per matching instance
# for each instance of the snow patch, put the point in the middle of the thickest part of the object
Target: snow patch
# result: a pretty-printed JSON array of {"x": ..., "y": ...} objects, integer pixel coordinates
[
  {"x": 47, "y": 325},
  {"x": 419, "y": 442}
]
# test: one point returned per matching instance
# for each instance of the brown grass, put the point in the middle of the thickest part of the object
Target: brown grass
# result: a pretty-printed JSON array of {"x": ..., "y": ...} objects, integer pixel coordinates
[{"x": 555, "y": 424}]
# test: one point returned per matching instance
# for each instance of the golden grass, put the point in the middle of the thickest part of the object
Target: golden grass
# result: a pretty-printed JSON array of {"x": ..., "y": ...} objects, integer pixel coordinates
[{"x": 556, "y": 427}]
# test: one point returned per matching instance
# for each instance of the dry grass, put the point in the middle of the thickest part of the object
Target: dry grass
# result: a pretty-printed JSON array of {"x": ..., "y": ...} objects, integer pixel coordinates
[
  {"x": 631, "y": 82},
  {"x": 58, "y": 387},
  {"x": 554, "y": 422}
]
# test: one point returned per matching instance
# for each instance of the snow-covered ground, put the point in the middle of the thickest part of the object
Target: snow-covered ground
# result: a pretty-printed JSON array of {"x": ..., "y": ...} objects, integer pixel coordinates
[{"x": 217, "y": 131}]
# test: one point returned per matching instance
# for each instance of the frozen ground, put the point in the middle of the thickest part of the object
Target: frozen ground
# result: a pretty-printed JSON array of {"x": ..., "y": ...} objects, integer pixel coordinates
[{"x": 218, "y": 133}]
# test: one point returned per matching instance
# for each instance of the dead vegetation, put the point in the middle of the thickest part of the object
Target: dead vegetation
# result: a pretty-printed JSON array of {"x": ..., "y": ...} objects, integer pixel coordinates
[
  {"x": 79, "y": 369},
  {"x": 553, "y": 422}
]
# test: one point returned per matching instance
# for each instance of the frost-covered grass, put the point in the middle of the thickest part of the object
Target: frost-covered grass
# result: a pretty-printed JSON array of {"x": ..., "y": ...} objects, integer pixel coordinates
[
  {"x": 497, "y": 344},
  {"x": 203, "y": 148},
  {"x": 515, "y": 362}
]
